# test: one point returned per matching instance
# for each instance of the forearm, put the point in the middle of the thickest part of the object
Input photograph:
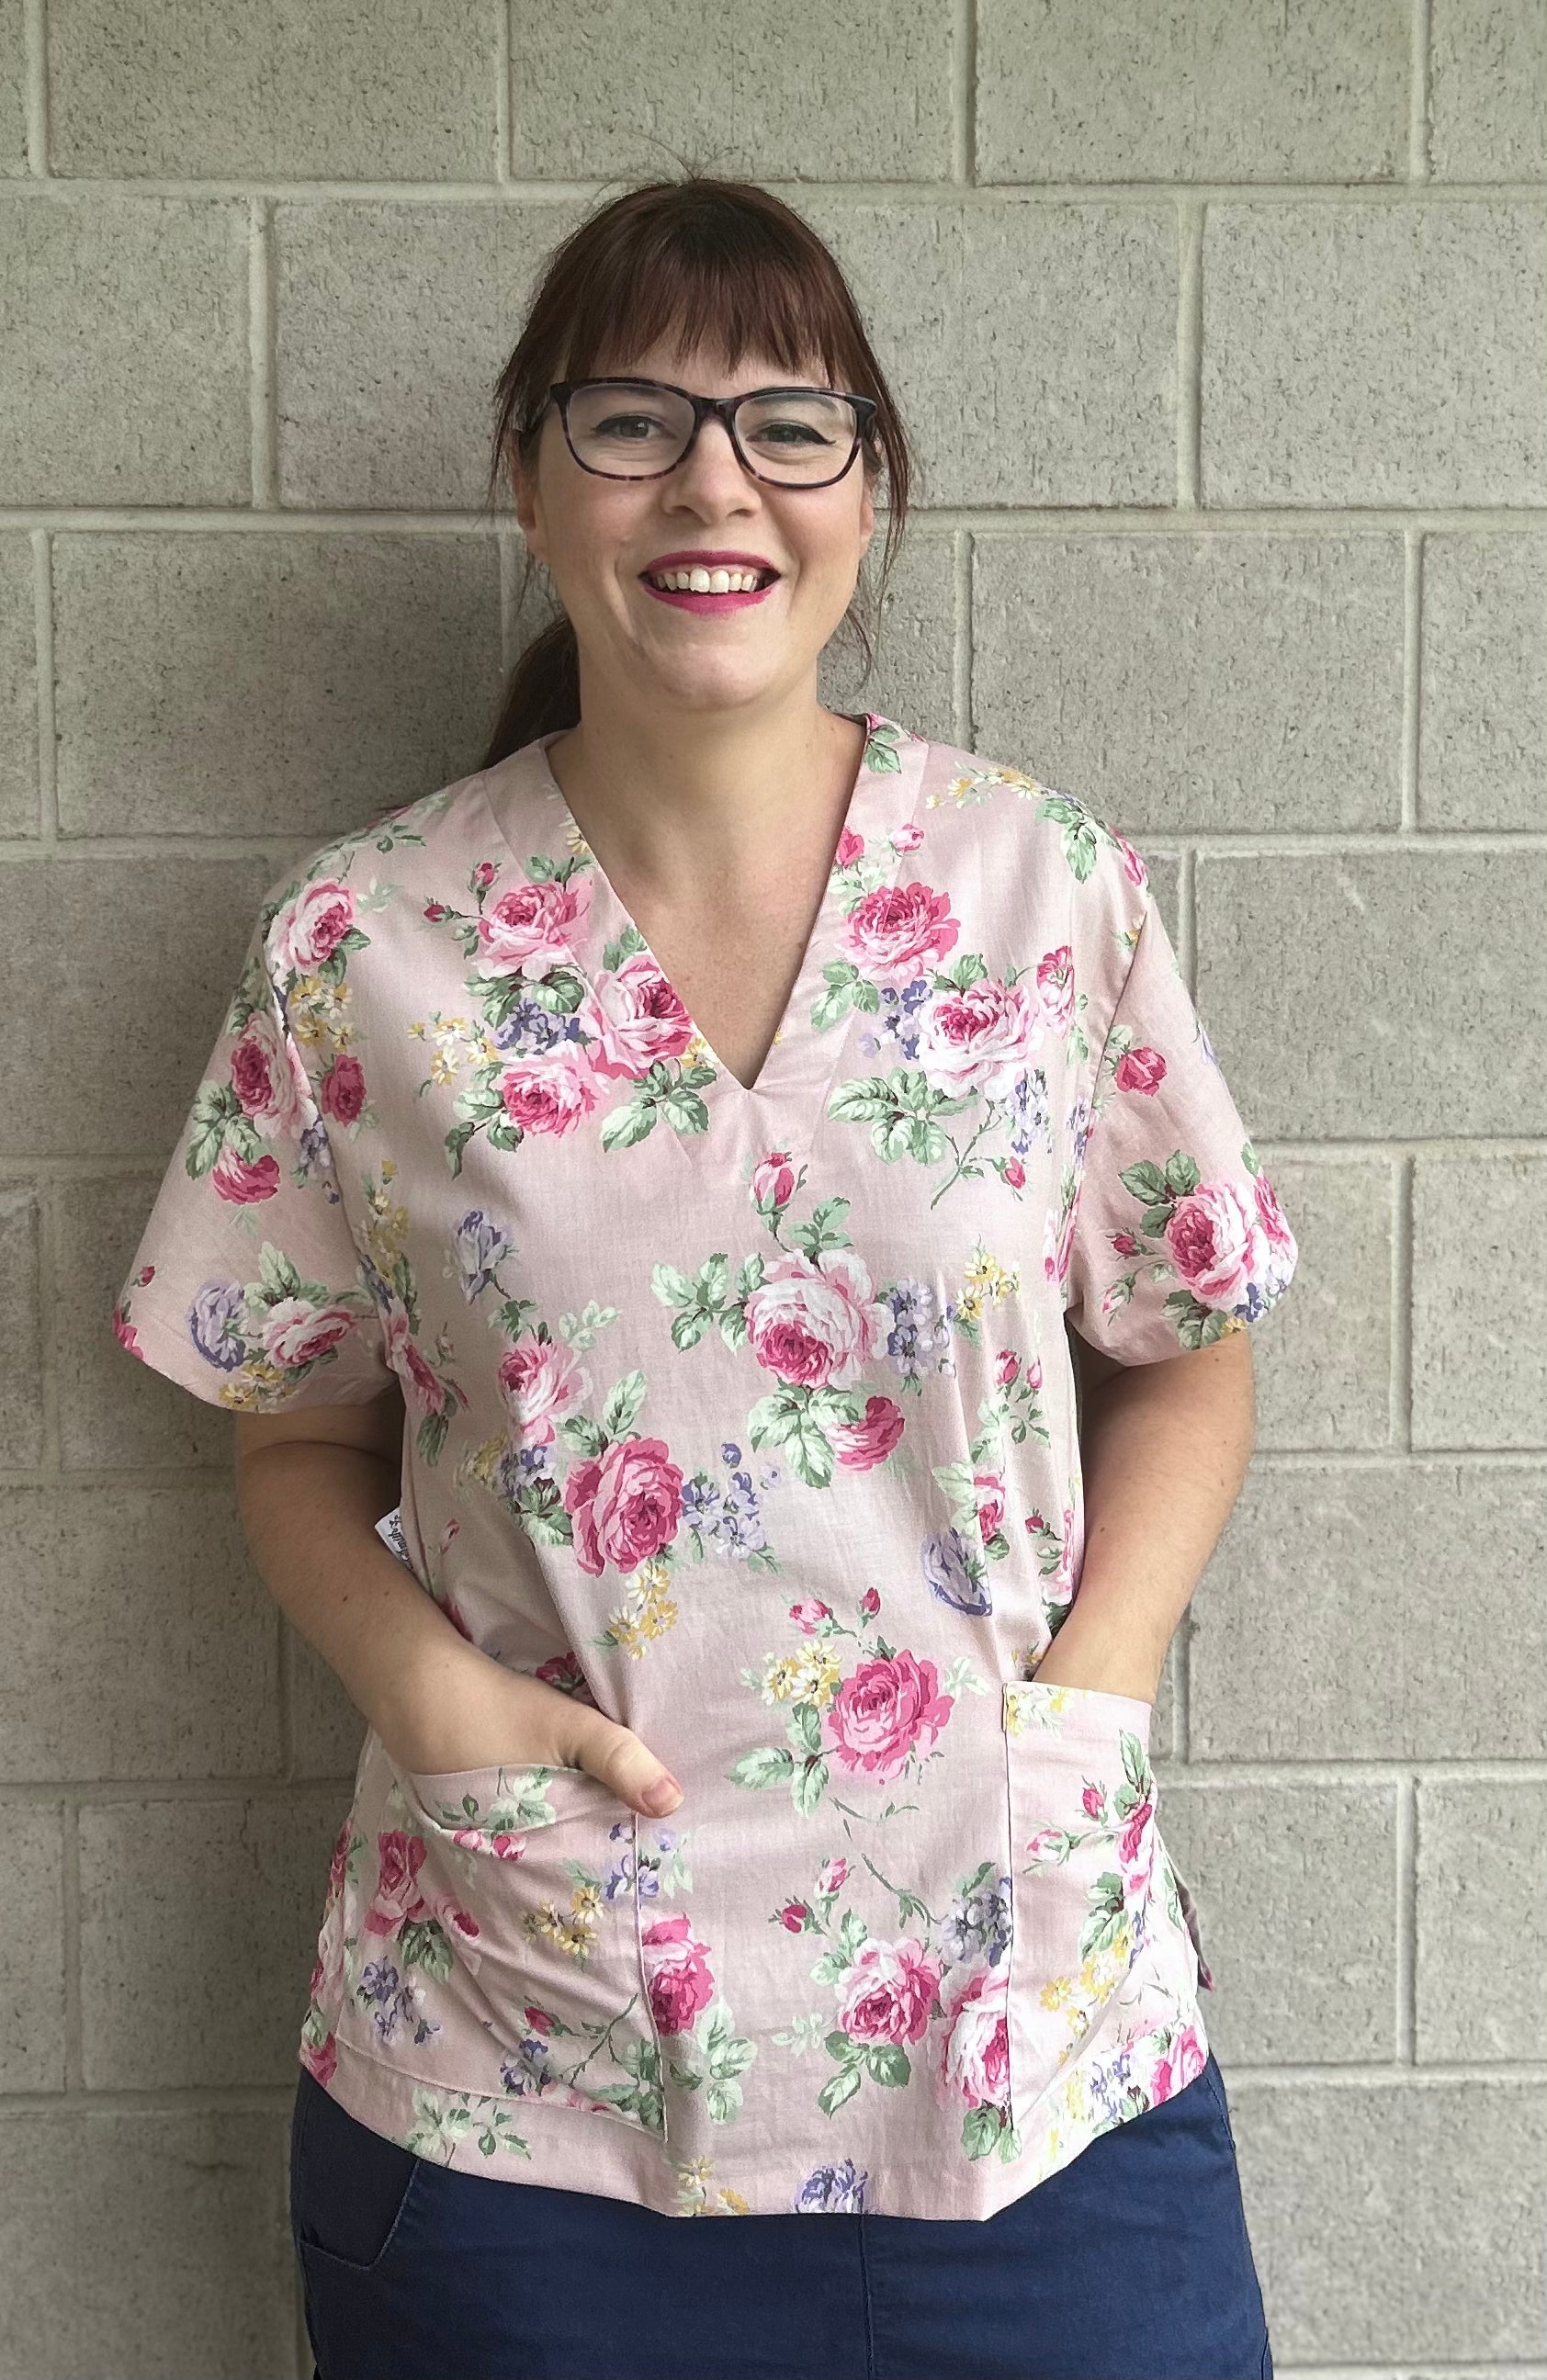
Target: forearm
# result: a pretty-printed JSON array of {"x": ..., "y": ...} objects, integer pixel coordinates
[
  {"x": 309, "y": 1511},
  {"x": 1164, "y": 1451}
]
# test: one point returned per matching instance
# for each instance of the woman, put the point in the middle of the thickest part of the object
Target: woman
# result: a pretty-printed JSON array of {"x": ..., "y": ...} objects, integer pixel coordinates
[{"x": 666, "y": 1160}]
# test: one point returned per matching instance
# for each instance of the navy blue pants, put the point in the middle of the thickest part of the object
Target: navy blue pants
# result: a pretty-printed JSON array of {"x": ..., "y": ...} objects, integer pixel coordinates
[{"x": 1131, "y": 2264}]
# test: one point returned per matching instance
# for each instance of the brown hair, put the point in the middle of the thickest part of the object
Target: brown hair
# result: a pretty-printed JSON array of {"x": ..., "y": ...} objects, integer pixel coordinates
[{"x": 733, "y": 268}]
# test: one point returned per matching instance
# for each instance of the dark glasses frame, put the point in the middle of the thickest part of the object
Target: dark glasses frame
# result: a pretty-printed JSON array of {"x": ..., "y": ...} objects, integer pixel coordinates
[{"x": 725, "y": 408}]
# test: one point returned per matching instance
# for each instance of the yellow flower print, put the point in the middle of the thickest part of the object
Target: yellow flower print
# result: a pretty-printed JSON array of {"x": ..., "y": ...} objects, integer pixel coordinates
[
  {"x": 387, "y": 1227},
  {"x": 988, "y": 1282},
  {"x": 693, "y": 2193},
  {"x": 456, "y": 1041},
  {"x": 318, "y": 1011},
  {"x": 647, "y": 1612},
  {"x": 808, "y": 1675},
  {"x": 975, "y": 785},
  {"x": 574, "y": 1935}
]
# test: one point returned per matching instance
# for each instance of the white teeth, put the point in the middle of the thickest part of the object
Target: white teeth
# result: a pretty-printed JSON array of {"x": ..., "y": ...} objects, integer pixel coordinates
[{"x": 707, "y": 582}]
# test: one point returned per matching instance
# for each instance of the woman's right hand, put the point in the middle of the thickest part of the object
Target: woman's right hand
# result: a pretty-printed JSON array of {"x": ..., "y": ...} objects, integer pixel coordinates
[{"x": 490, "y": 1717}]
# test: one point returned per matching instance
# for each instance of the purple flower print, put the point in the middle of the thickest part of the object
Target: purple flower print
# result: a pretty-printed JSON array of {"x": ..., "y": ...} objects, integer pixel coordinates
[
  {"x": 955, "y": 1574},
  {"x": 832, "y": 2189},
  {"x": 317, "y": 1158},
  {"x": 978, "y": 1924},
  {"x": 481, "y": 1248},
  {"x": 1030, "y": 1116},
  {"x": 919, "y": 1334},
  {"x": 214, "y": 1323}
]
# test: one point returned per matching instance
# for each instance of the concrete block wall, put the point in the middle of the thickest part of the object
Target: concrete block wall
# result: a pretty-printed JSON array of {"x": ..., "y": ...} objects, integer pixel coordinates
[{"x": 1220, "y": 327}]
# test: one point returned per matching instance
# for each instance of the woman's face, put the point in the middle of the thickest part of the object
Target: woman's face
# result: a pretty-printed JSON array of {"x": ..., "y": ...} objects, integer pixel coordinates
[{"x": 598, "y": 535}]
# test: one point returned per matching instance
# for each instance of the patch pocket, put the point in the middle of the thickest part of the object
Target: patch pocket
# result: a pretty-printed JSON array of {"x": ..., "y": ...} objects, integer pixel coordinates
[
  {"x": 1083, "y": 1848},
  {"x": 350, "y": 2185},
  {"x": 523, "y": 1901}
]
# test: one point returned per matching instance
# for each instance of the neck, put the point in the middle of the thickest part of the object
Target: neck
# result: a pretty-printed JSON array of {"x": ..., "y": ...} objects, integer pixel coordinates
[{"x": 723, "y": 794}]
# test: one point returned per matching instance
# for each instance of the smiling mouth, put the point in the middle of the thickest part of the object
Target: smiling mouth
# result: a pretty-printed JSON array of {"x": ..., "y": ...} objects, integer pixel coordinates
[
  {"x": 700, "y": 589},
  {"x": 698, "y": 579}
]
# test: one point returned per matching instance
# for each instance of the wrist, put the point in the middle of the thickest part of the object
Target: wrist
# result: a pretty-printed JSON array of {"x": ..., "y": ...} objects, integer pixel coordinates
[{"x": 1107, "y": 1660}]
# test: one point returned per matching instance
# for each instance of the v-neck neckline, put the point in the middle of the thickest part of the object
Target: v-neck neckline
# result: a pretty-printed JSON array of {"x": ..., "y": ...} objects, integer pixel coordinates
[{"x": 867, "y": 857}]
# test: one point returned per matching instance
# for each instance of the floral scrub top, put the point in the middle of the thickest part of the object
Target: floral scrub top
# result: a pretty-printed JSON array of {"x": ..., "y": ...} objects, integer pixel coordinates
[{"x": 748, "y": 1416}]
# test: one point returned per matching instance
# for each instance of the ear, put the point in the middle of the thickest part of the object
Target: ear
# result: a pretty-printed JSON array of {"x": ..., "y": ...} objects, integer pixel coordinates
[{"x": 523, "y": 488}]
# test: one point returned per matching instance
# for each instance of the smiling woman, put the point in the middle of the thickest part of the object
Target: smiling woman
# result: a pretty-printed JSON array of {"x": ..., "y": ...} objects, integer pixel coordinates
[{"x": 682, "y": 1147}]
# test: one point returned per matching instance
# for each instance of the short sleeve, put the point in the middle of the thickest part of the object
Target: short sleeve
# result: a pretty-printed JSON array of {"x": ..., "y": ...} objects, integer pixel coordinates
[
  {"x": 248, "y": 1287},
  {"x": 1179, "y": 1237}
]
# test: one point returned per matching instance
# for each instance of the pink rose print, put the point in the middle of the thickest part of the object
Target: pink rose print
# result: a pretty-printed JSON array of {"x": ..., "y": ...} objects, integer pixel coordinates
[
  {"x": 1183, "y": 2065},
  {"x": 851, "y": 847},
  {"x": 342, "y": 1089},
  {"x": 338, "y": 1864},
  {"x": 323, "y": 2061},
  {"x": 989, "y": 1489},
  {"x": 315, "y": 923},
  {"x": 1133, "y": 1832},
  {"x": 1133, "y": 861},
  {"x": 1007, "y": 1369},
  {"x": 1140, "y": 1069},
  {"x": 773, "y": 1182},
  {"x": 1055, "y": 983},
  {"x": 975, "y": 2051},
  {"x": 1093, "y": 1802},
  {"x": 889, "y": 1991},
  {"x": 816, "y": 1325},
  {"x": 793, "y": 1916},
  {"x": 626, "y": 1504},
  {"x": 428, "y": 1394},
  {"x": 548, "y": 1090},
  {"x": 398, "y": 1899},
  {"x": 980, "y": 1039},
  {"x": 635, "y": 1019},
  {"x": 1273, "y": 1222},
  {"x": 564, "y": 1670},
  {"x": 676, "y": 1975},
  {"x": 893, "y": 933},
  {"x": 886, "y": 1710},
  {"x": 242, "y": 1183},
  {"x": 263, "y": 1076},
  {"x": 834, "y": 1876},
  {"x": 870, "y": 1603},
  {"x": 808, "y": 1616},
  {"x": 861, "y": 1445},
  {"x": 399, "y": 1857},
  {"x": 904, "y": 839},
  {"x": 296, "y": 1331},
  {"x": 1216, "y": 1243},
  {"x": 542, "y": 1381},
  {"x": 532, "y": 926}
]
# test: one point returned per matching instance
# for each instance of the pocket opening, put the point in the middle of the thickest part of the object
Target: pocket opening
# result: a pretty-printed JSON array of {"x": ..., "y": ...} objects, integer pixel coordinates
[
  {"x": 524, "y": 1918},
  {"x": 1084, "y": 1842}
]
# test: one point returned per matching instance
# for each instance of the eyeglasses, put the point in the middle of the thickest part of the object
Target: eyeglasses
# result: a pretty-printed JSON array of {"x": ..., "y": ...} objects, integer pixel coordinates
[{"x": 642, "y": 428}]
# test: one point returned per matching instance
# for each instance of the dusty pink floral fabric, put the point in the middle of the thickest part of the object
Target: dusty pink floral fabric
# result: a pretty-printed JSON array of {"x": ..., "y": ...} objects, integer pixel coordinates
[{"x": 748, "y": 1416}]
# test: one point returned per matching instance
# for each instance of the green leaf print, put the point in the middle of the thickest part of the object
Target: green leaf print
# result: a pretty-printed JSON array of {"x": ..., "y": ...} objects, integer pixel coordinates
[
  {"x": 886, "y": 2062},
  {"x": 619, "y": 1412},
  {"x": 769, "y": 1765},
  {"x": 441, "y": 2119},
  {"x": 1108, "y": 1915},
  {"x": 215, "y": 1107},
  {"x": 838, "y": 2088},
  {"x": 1082, "y": 837}
]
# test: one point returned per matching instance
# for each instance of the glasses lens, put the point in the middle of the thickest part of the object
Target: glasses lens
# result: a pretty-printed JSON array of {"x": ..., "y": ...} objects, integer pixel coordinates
[
  {"x": 798, "y": 437},
  {"x": 628, "y": 428}
]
